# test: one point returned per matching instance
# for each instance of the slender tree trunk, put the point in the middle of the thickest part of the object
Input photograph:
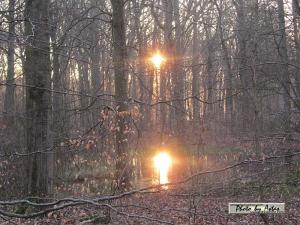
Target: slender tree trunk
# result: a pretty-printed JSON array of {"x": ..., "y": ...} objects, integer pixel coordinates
[
  {"x": 96, "y": 74},
  {"x": 227, "y": 75},
  {"x": 57, "y": 125},
  {"x": 150, "y": 82},
  {"x": 140, "y": 67},
  {"x": 148, "y": 116},
  {"x": 196, "y": 76},
  {"x": 285, "y": 82},
  {"x": 179, "y": 73},
  {"x": 84, "y": 88},
  {"x": 168, "y": 40},
  {"x": 297, "y": 47},
  {"x": 285, "y": 76},
  {"x": 209, "y": 74},
  {"x": 119, "y": 62},
  {"x": 9, "y": 100},
  {"x": 37, "y": 74},
  {"x": 243, "y": 63},
  {"x": 209, "y": 80}
]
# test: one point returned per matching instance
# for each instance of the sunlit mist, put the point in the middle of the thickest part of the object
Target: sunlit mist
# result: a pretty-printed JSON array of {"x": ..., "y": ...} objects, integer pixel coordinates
[
  {"x": 162, "y": 163},
  {"x": 157, "y": 60}
]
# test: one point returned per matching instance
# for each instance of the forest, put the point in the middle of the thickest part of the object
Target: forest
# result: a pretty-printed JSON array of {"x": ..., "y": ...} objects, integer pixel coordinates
[{"x": 149, "y": 111}]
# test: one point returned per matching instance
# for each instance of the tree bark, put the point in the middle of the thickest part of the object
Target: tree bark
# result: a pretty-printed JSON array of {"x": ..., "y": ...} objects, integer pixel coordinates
[
  {"x": 168, "y": 42},
  {"x": 227, "y": 75},
  {"x": 179, "y": 73},
  {"x": 119, "y": 62},
  {"x": 297, "y": 47},
  {"x": 95, "y": 71},
  {"x": 140, "y": 65},
  {"x": 9, "y": 100},
  {"x": 209, "y": 80},
  {"x": 196, "y": 75},
  {"x": 243, "y": 62},
  {"x": 37, "y": 74},
  {"x": 285, "y": 76},
  {"x": 84, "y": 87}
]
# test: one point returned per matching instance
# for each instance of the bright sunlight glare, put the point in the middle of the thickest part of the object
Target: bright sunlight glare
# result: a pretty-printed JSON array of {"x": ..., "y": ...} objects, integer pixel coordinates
[
  {"x": 162, "y": 163},
  {"x": 157, "y": 60}
]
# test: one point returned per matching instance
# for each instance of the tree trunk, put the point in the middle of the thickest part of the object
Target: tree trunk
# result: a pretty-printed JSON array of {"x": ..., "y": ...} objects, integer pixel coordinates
[
  {"x": 9, "y": 101},
  {"x": 37, "y": 74},
  {"x": 57, "y": 125},
  {"x": 179, "y": 73},
  {"x": 243, "y": 63},
  {"x": 285, "y": 76},
  {"x": 84, "y": 88},
  {"x": 96, "y": 74},
  {"x": 168, "y": 40},
  {"x": 119, "y": 62},
  {"x": 209, "y": 73},
  {"x": 285, "y": 82},
  {"x": 297, "y": 47},
  {"x": 140, "y": 64},
  {"x": 196, "y": 76},
  {"x": 227, "y": 75}
]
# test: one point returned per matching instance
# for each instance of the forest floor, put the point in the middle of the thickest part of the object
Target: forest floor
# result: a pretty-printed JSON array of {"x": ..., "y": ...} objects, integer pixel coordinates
[{"x": 168, "y": 207}]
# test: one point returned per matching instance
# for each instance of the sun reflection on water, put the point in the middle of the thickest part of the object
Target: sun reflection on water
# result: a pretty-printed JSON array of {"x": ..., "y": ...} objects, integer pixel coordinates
[{"x": 162, "y": 163}]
